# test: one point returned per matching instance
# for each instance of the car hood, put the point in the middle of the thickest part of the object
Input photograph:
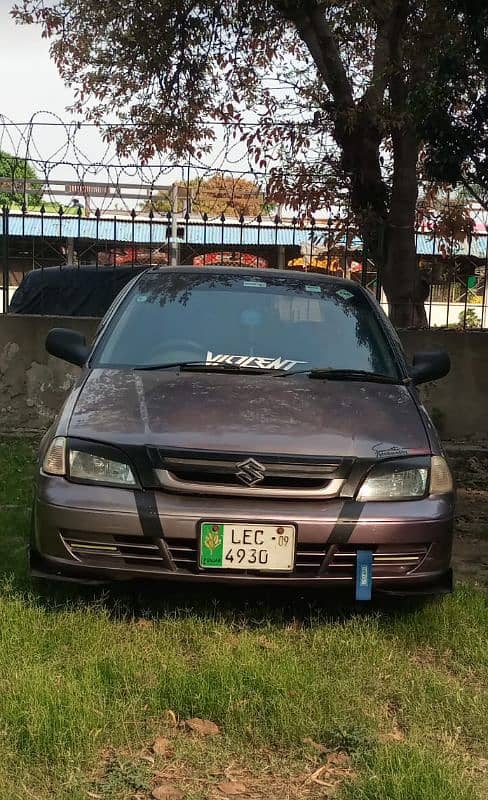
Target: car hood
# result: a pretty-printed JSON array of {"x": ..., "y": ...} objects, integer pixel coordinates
[{"x": 248, "y": 413}]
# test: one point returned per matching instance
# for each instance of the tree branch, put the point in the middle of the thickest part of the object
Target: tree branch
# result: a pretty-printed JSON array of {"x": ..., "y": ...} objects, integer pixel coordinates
[
  {"x": 315, "y": 31},
  {"x": 474, "y": 193},
  {"x": 386, "y": 53}
]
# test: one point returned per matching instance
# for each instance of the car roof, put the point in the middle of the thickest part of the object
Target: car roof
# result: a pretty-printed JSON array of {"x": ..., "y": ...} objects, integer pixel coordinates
[
  {"x": 73, "y": 269},
  {"x": 286, "y": 274}
]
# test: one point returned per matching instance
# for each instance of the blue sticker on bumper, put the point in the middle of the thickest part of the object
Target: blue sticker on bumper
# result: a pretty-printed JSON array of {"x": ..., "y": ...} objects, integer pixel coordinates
[{"x": 364, "y": 574}]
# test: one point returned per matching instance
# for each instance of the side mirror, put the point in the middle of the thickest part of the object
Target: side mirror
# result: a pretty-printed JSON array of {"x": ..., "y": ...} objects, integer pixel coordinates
[
  {"x": 429, "y": 366},
  {"x": 68, "y": 345}
]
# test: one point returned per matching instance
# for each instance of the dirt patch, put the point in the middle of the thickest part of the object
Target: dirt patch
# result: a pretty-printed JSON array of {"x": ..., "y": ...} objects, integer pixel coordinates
[
  {"x": 472, "y": 513},
  {"x": 470, "y": 551},
  {"x": 201, "y": 767},
  {"x": 470, "y": 559},
  {"x": 470, "y": 468}
]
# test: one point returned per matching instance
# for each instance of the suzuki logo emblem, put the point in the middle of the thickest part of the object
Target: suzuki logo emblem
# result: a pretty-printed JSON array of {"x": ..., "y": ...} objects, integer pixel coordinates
[{"x": 250, "y": 472}]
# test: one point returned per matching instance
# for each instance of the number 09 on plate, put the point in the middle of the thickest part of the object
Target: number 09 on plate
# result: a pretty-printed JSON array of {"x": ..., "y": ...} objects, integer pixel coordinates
[{"x": 246, "y": 546}]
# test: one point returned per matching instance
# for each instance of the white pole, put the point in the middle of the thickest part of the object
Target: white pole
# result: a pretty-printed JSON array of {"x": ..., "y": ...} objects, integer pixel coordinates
[{"x": 174, "y": 228}]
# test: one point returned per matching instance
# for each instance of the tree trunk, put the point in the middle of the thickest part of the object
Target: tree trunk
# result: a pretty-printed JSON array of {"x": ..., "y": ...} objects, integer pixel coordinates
[
  {"x": 402, "y": 280},
  {"x": 388, "y": 235},
  {"x": 361, "y": 161},
  {"x": 359, "y": 129}
]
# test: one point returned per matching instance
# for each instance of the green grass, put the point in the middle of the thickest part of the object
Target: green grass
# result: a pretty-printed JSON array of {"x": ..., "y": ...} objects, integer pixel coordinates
[
  {"x": 404, "y": 693},
  {"x": 409, "y": 773},
  {"x": 49, "y": 208}
]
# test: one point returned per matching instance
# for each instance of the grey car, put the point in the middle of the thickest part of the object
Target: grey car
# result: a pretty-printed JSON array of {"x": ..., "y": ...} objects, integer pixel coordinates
[{"x": 236, "y": 427}]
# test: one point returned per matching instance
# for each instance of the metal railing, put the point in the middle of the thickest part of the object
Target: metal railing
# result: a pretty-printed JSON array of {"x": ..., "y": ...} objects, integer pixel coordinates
[{"x": 32, "y": 243}]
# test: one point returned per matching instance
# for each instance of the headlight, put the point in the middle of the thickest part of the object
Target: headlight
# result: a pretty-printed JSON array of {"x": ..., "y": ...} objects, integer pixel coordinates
[
  {"x": 407, "y": 479},
  {"x": 95, "y": 463},
  {"x": 84, "y": 466},
  {"x": 394, "y": 481},
  {"x": 54, "y": 462}
]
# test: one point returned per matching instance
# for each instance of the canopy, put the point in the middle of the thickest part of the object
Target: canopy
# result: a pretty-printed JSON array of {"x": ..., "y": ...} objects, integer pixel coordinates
[{"x": 71, "y": 291}]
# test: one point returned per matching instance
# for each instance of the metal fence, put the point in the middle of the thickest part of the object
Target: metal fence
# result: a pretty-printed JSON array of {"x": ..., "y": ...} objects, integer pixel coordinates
[{"x": 32, "y": 244}]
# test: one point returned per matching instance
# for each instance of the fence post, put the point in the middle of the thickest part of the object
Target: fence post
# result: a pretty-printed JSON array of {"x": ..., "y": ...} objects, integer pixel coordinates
[
  {"x": 5, "y": 267},
  {"x": 485, "y": 277},
  {"x": 281, "y": 256},
  {"x": 174, "y": 225}
]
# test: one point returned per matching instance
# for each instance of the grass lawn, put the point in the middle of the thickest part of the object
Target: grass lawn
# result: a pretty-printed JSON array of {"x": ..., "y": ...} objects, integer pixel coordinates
[
  {"x": 308, "y": 699},
  {"x": 49, "y": 208}
]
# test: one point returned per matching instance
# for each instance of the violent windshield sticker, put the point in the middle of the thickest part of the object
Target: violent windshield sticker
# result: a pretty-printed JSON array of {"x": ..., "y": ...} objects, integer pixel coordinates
[
  {"x": 344, "y": 294},
  {"x": 259, "y": 362},
  {"x": 384, "y": 450}
]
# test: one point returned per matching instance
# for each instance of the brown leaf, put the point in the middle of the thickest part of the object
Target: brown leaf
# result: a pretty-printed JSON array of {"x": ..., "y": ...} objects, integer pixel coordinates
[
  {"x": 202, "y": 727},
  {"x": 265, "y": 643},
  {"x": 232, "y": 788},
  {"x": 167, "y": 791},
  {"x": 171, "y": 717},
  {"x": 144, "y": 623},
  {"x": 162, "y": 747},
  {"x": 339, "y": 760},
  {"x": 314, "y": 777},
  {"x": 319, "y": 748},
  {"x": 395, "y": 735}
]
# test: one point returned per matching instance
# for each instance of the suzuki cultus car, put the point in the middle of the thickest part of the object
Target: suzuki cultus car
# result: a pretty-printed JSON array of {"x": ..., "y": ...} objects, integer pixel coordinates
[{"x": 244, "y": 428}]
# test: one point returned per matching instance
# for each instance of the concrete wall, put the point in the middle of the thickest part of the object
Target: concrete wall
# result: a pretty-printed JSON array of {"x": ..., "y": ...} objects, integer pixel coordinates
[
  {"x": 458, "y": 403},
  {"x": 33, "y": 384}
]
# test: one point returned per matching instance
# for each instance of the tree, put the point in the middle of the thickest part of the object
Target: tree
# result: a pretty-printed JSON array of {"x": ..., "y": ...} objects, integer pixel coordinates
[
  {"x": 17, "y": 171},
  {"x": 453, "y": 108},
  {"x": 337, "y": 92},
  {"x": 220, "y": 194}
]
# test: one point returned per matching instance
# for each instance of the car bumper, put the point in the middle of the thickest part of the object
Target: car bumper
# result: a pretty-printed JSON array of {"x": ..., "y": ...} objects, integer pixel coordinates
[{"x": 97, "y": 534}]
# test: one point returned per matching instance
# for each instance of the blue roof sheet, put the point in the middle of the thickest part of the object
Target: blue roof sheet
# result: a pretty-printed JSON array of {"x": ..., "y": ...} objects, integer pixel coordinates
[{"x": 155, "y": 232}]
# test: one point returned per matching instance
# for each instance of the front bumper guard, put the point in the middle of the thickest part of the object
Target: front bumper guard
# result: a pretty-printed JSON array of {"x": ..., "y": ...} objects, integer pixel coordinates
[{"x": 45, "y": 569}]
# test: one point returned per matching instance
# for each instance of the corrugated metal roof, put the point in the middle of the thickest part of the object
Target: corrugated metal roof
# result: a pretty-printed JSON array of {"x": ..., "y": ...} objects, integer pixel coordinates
[
  {"x": 478, "y": 247},
  {"x": 155, "y": 232}
]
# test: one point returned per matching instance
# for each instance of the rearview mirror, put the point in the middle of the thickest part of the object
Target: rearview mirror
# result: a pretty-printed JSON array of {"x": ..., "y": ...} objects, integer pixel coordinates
[
  {"x": 429, "y": 366},
  {"x": 69, "y": 345}
]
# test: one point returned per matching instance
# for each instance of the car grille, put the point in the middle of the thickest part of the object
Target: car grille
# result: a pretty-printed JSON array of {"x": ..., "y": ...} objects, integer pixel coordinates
[
  {"x": 309, "y": 559},
  {"x": 217, "y": 473},
  {"x": 387, "y": 559},
  {"x": 312, "y": 560},
  {"x": 129, "y": 551},
  {"x": 184, "y": 553}
]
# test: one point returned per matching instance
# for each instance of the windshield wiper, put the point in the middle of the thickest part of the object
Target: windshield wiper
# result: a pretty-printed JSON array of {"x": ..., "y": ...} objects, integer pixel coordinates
[
  {"x": 202, "y": 366},
  {"x": 317, "y": 373},
  {"x": 169, "y": 364},
  {"x": 329, "y": 374}
]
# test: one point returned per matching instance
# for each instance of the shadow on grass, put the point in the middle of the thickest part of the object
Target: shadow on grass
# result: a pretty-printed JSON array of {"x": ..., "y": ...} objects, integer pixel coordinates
[
  {"x": 241, "y": 607},
  {"x": 248, "y": 607}
]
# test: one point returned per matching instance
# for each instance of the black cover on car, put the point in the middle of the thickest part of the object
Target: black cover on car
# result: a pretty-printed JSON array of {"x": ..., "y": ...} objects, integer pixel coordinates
[{"x": 71, "y": 291}]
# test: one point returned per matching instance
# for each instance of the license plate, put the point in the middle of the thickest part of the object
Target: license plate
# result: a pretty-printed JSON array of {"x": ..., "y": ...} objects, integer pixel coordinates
[{"x": 252, "y": 547}]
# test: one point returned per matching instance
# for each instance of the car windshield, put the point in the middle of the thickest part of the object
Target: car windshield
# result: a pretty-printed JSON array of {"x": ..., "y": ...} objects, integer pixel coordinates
[{"x": 267, "y": 322}]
